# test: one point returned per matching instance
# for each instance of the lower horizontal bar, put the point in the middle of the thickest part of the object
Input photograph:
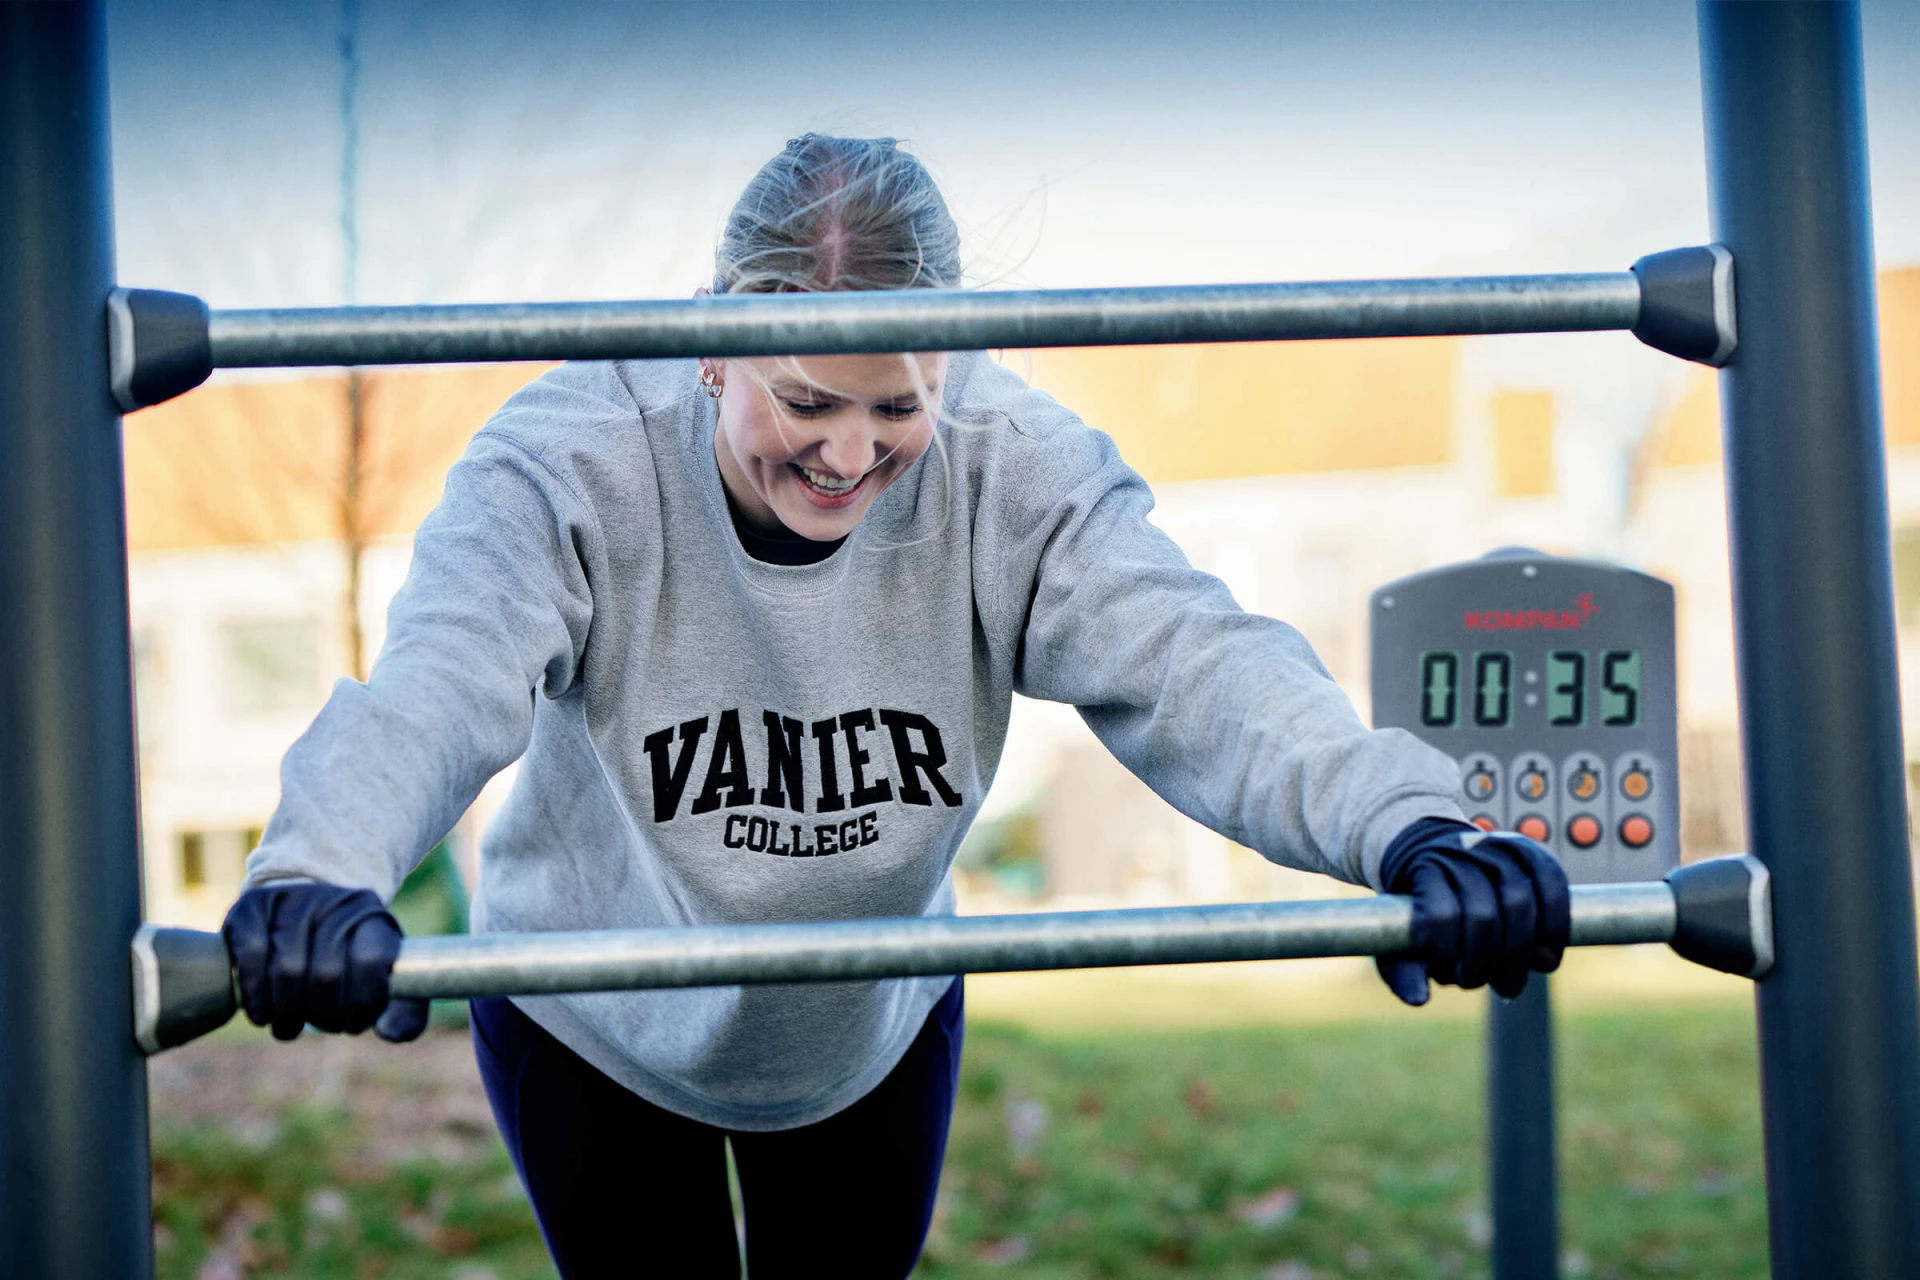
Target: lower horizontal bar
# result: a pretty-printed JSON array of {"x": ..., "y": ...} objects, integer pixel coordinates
[
  {"x": 1717, "y": 913},
  {"x": 505, "y": 964}
]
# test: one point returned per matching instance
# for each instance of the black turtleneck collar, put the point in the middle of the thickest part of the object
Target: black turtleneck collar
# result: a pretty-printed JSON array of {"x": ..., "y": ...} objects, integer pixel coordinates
[{"x": 783, "y": 547}]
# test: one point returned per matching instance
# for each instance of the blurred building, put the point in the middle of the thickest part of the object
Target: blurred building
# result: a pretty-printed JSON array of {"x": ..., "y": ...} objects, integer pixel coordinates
[
  {"x": 1302, "y": 474},
  {"x": 245, "y": 600}
]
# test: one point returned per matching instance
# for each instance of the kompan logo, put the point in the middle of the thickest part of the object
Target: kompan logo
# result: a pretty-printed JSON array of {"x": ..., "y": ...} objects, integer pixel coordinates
[{"x": 1534, "y": 619}]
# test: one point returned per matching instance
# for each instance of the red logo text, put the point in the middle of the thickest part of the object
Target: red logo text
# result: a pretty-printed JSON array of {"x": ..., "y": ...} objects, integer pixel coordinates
[{"x": 1534, "y": 619}]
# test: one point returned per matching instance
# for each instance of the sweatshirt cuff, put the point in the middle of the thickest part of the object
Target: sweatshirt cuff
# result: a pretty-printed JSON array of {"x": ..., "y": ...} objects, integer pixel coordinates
[{"x": 1390, "y": 822}]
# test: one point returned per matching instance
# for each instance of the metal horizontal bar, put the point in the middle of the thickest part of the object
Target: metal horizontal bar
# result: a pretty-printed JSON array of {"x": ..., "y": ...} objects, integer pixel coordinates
[
  {"x": 550, "y": 963},
  {"x": 923, "y": 320}
]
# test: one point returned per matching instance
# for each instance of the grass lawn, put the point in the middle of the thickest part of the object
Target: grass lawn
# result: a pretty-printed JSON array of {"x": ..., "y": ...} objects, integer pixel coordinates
[
  {"x": 1311, "y": 1148},
  {"x": 1341, "y": 1150}
]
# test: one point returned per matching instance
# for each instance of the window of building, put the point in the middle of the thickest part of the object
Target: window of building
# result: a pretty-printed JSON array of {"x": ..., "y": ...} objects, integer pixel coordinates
[
  {"x": 271, "y": 665},
  {"x": 1906, "y": 575},
  {"x": 193, "y": 859},
  {"x": 216, "y": 858}
]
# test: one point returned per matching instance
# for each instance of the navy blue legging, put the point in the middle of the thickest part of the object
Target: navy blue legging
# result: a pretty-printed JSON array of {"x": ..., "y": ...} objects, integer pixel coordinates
[{"x": 624, "y": 1188}]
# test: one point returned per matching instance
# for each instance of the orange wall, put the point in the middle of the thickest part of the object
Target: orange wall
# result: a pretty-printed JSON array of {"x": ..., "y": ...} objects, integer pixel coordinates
[
  {"x": 1523, "y": 444},
  {"x": 250, "y": 462},
  {"x": 1263, "y": 408}
]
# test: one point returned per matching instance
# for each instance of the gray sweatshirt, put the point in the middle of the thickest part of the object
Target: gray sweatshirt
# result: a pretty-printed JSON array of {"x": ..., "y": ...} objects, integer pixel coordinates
[{"x": 705, "y": 738}]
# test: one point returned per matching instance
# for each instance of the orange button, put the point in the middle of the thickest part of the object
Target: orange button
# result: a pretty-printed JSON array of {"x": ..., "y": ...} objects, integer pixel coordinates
[
  {"x": 1485, "y": 821},
  {"x": 1636, "y": 832},
  {"x": 1534, "y": 827},
  {"x": 1584, "y": 831},
  {"x": 1585, "y": 785},
  {"x": 1637, "y": 784}
]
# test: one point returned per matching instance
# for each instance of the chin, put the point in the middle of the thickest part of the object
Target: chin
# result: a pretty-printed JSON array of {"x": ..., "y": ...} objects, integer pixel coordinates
[
  {"x": 821, "y": 526},
  {"x": 811, "y": 520}
]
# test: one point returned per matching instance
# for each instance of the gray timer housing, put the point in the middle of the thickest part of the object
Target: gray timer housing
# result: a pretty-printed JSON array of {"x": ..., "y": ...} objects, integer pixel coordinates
[{"x": 1590, "y": 791}]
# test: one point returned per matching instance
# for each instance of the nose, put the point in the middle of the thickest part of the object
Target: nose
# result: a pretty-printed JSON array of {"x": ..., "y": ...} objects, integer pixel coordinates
[{"x": 848, "y": 453}]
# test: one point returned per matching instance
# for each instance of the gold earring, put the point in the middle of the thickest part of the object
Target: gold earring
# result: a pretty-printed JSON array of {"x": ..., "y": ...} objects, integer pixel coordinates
[{"x": 711, "y": 381}]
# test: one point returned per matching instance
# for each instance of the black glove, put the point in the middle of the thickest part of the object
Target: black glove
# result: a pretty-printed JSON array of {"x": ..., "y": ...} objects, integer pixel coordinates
[
  {"x": 1487, "y": 908},
  {"x": 318, "y": 953}
]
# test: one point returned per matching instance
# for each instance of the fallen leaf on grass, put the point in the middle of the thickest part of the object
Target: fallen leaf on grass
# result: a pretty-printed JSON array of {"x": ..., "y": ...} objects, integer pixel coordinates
[
  {"x": 327, "y": 1204},
  {"x": 1003, "y": 1253},
  {"x": 1714, "y": 1182},
  {"x": 1270, "y": 1210},
  {"x": 1026, "y": 1123}
]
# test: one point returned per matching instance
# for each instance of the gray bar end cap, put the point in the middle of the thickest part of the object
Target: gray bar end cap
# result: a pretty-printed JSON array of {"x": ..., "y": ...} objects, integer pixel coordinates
[
  {"x": 158, "y": 346},
  {"x": 1686, "y": 303},
  {"x": 182, "y": 986},
  {"x": 1724, "y": 914}
]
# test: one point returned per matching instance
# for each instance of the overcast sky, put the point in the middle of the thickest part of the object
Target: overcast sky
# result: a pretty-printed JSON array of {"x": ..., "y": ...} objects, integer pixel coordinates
[{"x": 576, "y": 150}]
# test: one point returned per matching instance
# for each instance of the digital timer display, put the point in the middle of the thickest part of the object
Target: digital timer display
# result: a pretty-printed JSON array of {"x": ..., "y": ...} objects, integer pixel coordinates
[{"x": 1488, "y": 701}]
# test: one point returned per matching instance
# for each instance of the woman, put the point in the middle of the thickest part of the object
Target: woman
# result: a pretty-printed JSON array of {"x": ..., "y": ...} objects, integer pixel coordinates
[{"x": 755, "y": 651}]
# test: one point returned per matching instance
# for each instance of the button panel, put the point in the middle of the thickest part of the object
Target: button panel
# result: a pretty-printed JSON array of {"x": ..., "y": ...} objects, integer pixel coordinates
[{"x": 1583, "y": 805}]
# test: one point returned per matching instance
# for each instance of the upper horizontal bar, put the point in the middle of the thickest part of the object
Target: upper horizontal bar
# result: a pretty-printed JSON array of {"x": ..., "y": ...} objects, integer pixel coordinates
[
  {"x": 162, "y": 344},
  {"x": 922, "y": 320},
  {"x": 636, "y": 959}
]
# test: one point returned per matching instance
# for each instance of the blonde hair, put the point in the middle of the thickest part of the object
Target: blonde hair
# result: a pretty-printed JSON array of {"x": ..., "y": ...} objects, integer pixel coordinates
[{"x": 830, "y": 214}]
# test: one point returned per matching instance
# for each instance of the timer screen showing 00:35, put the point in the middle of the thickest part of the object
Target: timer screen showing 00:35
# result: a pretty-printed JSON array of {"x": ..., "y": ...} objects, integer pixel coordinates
[{"x": 1478, "y": 688}]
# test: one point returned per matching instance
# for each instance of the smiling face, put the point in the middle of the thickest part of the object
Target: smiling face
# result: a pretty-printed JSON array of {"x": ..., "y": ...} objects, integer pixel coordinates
[{"x": 809, "y": 442}]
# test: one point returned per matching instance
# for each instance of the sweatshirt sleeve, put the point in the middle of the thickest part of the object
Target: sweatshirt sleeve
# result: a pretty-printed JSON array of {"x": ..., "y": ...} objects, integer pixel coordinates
[
  {"x": 1229, "y": 716},
  {"x": 494, "y": 612}
]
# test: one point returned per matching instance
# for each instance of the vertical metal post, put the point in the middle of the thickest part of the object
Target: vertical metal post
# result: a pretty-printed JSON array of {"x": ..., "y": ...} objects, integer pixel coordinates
[
  {"x": 1839, "y": 1015},
  {"x": 1520, "y": 1135},
  {"x": 74, "y": 1177}
]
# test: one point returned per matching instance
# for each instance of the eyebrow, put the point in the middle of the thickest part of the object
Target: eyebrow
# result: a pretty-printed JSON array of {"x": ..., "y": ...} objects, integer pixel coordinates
[{"x": 792, "y": 389}]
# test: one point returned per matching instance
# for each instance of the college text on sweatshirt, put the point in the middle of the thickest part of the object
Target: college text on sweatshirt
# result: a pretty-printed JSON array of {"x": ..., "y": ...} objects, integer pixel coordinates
[{"x": 834, "y": 768}]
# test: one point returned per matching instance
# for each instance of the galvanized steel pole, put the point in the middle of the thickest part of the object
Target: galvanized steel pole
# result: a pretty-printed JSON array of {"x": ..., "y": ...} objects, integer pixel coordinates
[
  {"x": 74, "y": 1178},
  {"x": 838, "y": 951},
  {"x": 922, "y": 320},
  {"x": 1716, "y": 913},
  {"x": 1820, "y": 698},
  {"x": 1524, "y": 1186}
]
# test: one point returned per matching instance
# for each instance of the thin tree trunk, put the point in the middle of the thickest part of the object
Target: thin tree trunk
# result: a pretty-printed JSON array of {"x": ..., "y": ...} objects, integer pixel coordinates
[{"x": 353, "y": 521}]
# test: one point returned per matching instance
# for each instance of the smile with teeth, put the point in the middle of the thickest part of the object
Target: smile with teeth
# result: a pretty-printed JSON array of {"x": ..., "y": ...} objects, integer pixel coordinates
[{"x": 830, "y": 486}]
